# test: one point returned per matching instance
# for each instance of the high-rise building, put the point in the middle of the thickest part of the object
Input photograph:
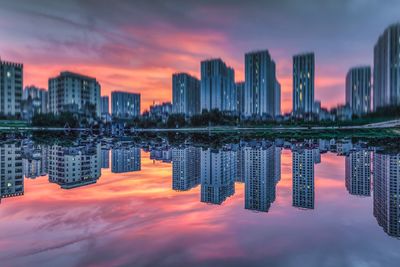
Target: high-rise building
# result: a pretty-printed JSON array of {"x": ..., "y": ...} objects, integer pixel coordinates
[
  {"x": 105, "y": 105},
  {"x": 358, "y": 173},
  {"x": 125, "y": 105},
  {"x": 34, "y": 101},
  {"x": 303, "y": 84},
  {"x": 259, "y": 176},
  {"x": 217, "y": 172},
  {"x": 75, "y": 166},
  {"x": 125, "y": 159},
  {"x": 277, "y": 102},
  {"x": 386, "y": 173},
  {"x": 387, "y": 68},
  {"x": 358, "y": 90},
  {"x": 217, "y": 86},
  {"x": 262, "y": 91},
  {"x": 185, "y": 94},
  {"x": 72, "y": 92},
  {"x": 105, "y": 158},
  {"x": 303, "y": 177},
  {"x": 240, "y": 98},
  {"x": 11, "y": 83},
  {"x": 185, "y": 168},
  {"x": 11, "y": 172}
]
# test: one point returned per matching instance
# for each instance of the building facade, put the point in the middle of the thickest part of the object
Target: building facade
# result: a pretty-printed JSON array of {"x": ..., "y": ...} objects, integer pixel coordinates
[
  {"x": 34, "y": 101},
  {"x": 303, "y": 178},
  {"x": 76, "y": 93},
  {"x": 261, "y": 96},
  {"x": 185, "y": 168},
  {"x": 125, "y": 159},
  {"x": 240, "y": 98},
  {"x": 387, "y": 68},
  {"x": 185, "y": 94},
  {"x": 358, "y": 90},
  {"x": 358, "y": 173},
  {"x": 11, "y": 170},
  {"x": 125, "y": 105},
  {"x": 303, "y": 84},
  {"x": 11, "y": 84},
  {"x": 217, "y": 86}
]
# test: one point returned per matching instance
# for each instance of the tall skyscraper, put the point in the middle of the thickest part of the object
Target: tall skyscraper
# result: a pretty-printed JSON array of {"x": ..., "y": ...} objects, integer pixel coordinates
[
  {"x": 72, "y": 92},
  {"x": 386, "y": 192},
  {"x": 259, "y": 176},
  {"x": 303, "y": 84},
  {"x": 387, "y": 68},
  {"x": 125, "y": 105},
  {"x": 11, "y": 172},
  {"x": 11, "y": 83},
  {"x": 185, "y": 94},
  {"x": 358, "y": 173},
  {"x": 217, "y": 86},
  {"x": 75, "y": 166},
  {"x": 217, "y": 172},
  {"x": 261, "y": 95},
  {"x": 240, "y": 98},
  {"x": 105, "y": 105},
  {"x": 303, "y": 177},
  {"x": 277, "y": 102},
  {"x": 185, "y": 168},
  {"x": 358, "y": 90}
]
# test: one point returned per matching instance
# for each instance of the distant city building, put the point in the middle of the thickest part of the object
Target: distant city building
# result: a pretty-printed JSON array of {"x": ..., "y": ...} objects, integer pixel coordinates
[
  {"x": 11, "y": 83},
  {"x": 303, "y": 84},
  {"x": 161, "y": 154},
  {"x": 358, "y": 173},
  {"x": 277, "y": 102},
  {"x": 34, "y": 162},
  {"x": 75, "y": 166},
  {"x": 317, "y": 107},
  {"x": 105, "y": 105},
  {"x": 125, "y": 159},
  {"x": 11, "y": 172},
  {"x": 217, "y": 172},
  {"x": 240, "y": 97},
  {"x": 72, "y": 92},
  {"x": 125, "y": 105},
  {"x": 262, "y": 91},
  {"x": 185, "y": 168},
  {"x": 386, "y": 192},
  {"x": 303, "y": 177},
  {"x": 387, "y": 68},
  {"x": 161, "y": 110},
  {"x": 260, "y": 176},
  {"x": 358, "y": 90},
  {"x": 34, "y": 101},
  {"x": 185, "y": 94},
  {"x": 343, "y": 112},
  {"x": 217, "y": 86}
]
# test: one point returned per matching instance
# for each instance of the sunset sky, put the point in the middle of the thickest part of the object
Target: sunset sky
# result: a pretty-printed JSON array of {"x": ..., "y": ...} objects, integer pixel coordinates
[{"x": 137, "y": 45}]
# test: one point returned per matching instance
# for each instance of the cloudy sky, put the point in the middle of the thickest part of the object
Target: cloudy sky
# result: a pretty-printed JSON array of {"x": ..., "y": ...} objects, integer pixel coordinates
[{"x": 137, "y": 45}]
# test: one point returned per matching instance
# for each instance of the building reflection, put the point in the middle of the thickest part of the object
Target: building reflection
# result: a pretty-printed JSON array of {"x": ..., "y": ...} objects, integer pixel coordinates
[
  {"x": 74, "y": 166},
  {"x": 125, "y": 159},
  {"x": 386, "y": 197},
  {"x": 218, "y": 168},
  {"x": 358, "y": 173},
  {"x": 161, "y": 154},
  {"x": 303, "y": 159},
  {"x": 260, "y": 175},
  {"x": 34, "y": 161},
  {"x": 105, "y": 158},
  {"x": 185, "y": 168},
  {"x": 11, "y": 173}
]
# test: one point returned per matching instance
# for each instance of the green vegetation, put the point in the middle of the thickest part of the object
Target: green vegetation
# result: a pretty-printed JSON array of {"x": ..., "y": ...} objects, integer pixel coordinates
[
  {"x": 13, "y": 123},
  {"x": 50, "y": 120}
]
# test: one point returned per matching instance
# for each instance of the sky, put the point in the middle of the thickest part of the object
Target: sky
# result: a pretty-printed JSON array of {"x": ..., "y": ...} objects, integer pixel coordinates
[{"x": 137, "y": 45}]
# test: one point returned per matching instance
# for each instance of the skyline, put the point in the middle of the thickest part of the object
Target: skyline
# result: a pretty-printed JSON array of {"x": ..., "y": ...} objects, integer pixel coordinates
[{"x": 132, "y": 47}]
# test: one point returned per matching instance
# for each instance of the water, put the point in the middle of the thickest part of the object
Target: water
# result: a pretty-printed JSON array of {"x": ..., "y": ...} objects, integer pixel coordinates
[{"x": 253, "y": 204}]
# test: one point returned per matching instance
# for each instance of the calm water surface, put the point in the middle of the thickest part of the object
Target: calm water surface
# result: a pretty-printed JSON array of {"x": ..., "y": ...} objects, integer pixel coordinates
[{"x": 256, "y": 204}]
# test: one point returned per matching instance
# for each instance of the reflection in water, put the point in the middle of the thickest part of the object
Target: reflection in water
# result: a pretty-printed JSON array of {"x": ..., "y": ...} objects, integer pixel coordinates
[
  {"x": 125, "y": 159},
  {"x": 303, "y": 160},
  {"x": 387, "y": 192},
  {"x": 185, "y": 168},
  {"x": 260, "y": 175},
  {"x": 11, "y": 175},
  {"x": 254, "y": 165},
  {"x": 217, "y": 174},
  {"x": 358, "y": 173},
  {"x": 75, "y": 166}
]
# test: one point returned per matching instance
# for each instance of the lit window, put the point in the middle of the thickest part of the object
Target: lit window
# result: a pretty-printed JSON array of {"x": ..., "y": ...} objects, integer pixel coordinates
[{"x": 8, "y": 74}]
